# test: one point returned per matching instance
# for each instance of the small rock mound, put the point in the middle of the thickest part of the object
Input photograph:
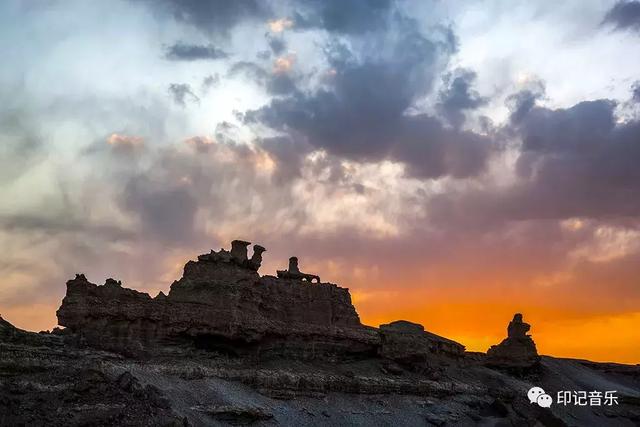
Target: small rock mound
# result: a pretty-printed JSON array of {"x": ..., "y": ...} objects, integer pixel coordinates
[{"x": 408, "y": 343}]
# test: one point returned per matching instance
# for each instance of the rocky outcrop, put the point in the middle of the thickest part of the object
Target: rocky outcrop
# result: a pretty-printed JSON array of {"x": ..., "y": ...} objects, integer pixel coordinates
[
  {"x": 221, "y": 302},
  {"x": 409, "y": 344},
  {"x": 517, "y": 350},
  {"x": 228, "y": 346}
]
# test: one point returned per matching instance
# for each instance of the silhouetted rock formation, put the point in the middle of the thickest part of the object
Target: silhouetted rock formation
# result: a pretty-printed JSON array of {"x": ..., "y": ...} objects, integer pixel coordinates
[
  {"x": 220, "y": 299},
  {"x": 256, "y": 258},
  {"x": 221, "y": 302},
  {"x": 518, "y": 349},
  {"x": 294, "y": 273},
  {"x": 239, "y": 251},
  {"x": 408, "y": 343}
]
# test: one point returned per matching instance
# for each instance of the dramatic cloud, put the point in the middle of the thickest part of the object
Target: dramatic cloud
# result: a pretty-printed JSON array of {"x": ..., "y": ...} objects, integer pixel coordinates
[
  {"x": 166, "y": 213},
  {"x": 522, "y": 102},
  {"x": 579, "y": 161},
  {"x": 219, "y": 16},
  {"x": 371, "y": 125},
  {"x": 624, "y": 15},
  {"x": 362, "y": 113},
  {"x": 277, "y": 45},
  {"x": 353, "y": 17},
  {"x": 458, "y": 96},
  {"x": 573, "y": 163},
  {"x": 215, "y": 16},
  {"x": 446, "y": 165},
  {"x": 191, "y": 52}
]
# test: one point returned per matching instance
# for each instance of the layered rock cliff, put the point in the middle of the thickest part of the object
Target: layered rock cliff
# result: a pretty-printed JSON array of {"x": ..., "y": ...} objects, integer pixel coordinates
[{"x": 220, "y": 302}]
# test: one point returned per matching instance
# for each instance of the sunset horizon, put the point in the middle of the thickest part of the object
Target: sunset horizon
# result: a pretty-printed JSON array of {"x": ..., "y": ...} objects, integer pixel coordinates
[
  {"x": 462, "y": 321},
  {"x": 320, "y": 212}
]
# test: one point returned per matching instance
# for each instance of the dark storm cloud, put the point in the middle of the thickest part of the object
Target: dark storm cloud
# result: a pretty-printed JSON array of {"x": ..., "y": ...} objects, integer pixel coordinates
[
  {"x": 520, "y": 103},
  {"x": 580, "y": 160},
  {"x": 277, "y": 44},
  {"x": 573, "y": 162},
  {"x": 624, "y": 15},
  {"x": 220, "y": 16},
  {"x": 580, "y": 128},
  {"x": 193, "y": 52},
  {"x": 181, "y": 93},
  {"x": 361, "y": 114},
  {"x": 351, "y": 17},
  {"x": 178, "y": 187},
  {"x": 458, "y": 96},
  {"x": 430, "y": 151},
  {"x": 165, "y": 211},
  {"x": 216, "y": 16},
  {"x": 287, "y": 154},
  {"x": 280, "y": 84}
]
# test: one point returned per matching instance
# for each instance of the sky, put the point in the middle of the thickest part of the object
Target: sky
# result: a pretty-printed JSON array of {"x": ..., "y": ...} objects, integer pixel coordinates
[{"x": 450, "y": 162}]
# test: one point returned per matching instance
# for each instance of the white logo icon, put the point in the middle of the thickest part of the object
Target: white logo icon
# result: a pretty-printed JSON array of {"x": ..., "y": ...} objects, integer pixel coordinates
[
  {"x": 538, "y": 396},
  {"x": 533, "y": 394},
  {"x": 545, "y": 401}
]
